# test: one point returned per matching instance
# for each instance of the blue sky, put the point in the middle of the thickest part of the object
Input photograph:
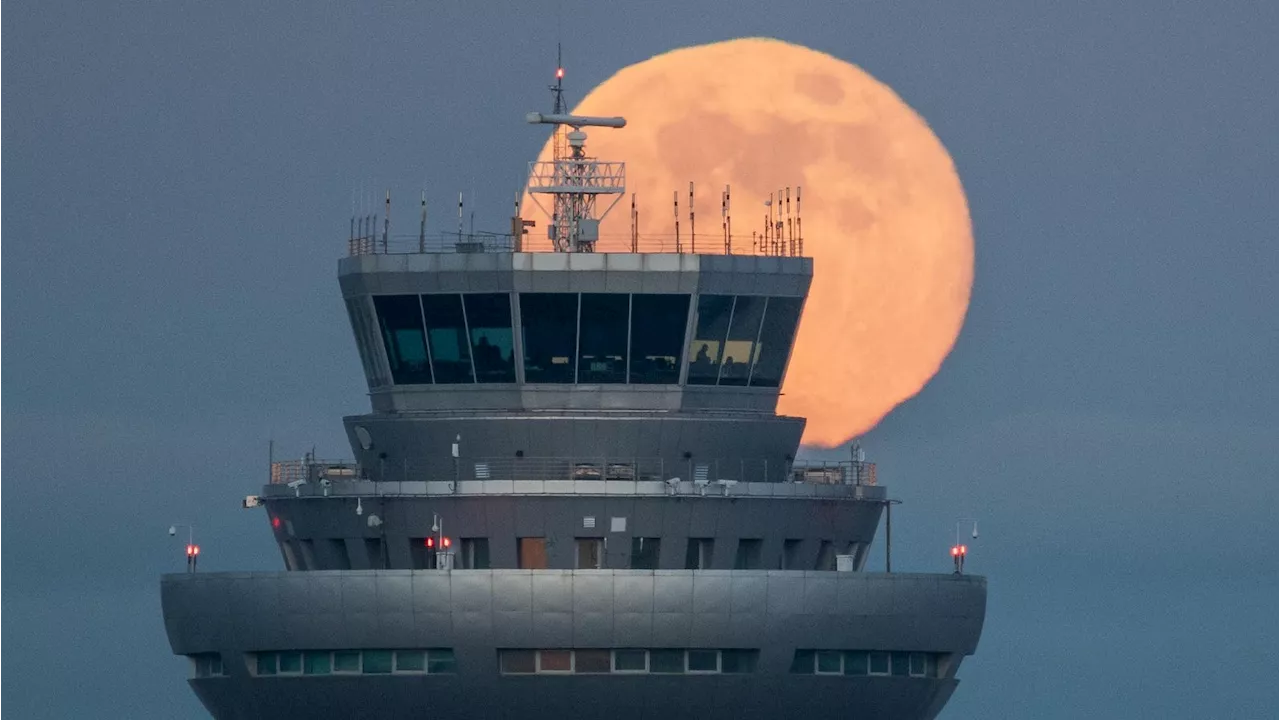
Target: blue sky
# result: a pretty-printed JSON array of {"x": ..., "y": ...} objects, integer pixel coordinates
[{"x": 177, "y": 185}]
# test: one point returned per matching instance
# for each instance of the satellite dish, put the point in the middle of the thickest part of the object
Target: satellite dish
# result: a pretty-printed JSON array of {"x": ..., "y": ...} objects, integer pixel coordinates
[{"x": 362, "y": 435}]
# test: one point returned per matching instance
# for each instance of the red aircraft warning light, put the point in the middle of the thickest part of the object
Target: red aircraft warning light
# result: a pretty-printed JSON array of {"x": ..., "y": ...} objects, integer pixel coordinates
[{"x": 957, "y": 555}]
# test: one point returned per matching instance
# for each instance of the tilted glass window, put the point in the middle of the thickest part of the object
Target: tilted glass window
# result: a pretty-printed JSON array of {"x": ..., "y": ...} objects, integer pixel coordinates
[
  {"x": 317, "y": 663},
  {"x": 704, "y": 661},
  {"x": 447, "y": 338},
  {"x": 706, "y": 350},
  {"x": 602, "y": 338},
  {"x": 518, "y": 662},
  {"x": 266, "y": 663},
  {"x": 855, "y": 662},
  {"x": 802, "y": 663},
  {"x": 657, "y": 337},
  {"x": 630, "y": 661},
  {"x": 740, "y": 348},
  {"x": 738, "y": 661},
  {"x": 781, "y": 316},
  {"x": 347, "y": 661},
  {"x": 666, "y": 661},
  {"x": 900, "y": 664},
  {"x": 549, "y": 327},
  {"x": 489, "y": 320},
  {"x": 828, "y": 662},
  {"x": 879, "y": 662},
  {"x": 377, "y": 662},
  {"x": 591, "y": 661},
  {"x": 400, "y": 319},
  {"x": 290, "y": 661},
  {"x": 410, "y": 661},
  {"x": 441, "y": 661}
]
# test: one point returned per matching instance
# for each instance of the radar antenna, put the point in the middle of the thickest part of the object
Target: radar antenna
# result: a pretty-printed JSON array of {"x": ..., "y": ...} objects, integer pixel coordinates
[{"x": 574, "y": 180}]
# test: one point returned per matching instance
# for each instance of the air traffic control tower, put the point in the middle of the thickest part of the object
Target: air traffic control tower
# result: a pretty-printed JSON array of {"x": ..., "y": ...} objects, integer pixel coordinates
[{"x": 572, "y": 497}]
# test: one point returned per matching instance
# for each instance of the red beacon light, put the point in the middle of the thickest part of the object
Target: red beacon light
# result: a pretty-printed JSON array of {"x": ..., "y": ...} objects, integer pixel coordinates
[
  {"x": 559, "y": 73},
  {"x": 957, "y": 554},
  {"x": 447, "y": 542},
  {"x": 429, "y": 542}
]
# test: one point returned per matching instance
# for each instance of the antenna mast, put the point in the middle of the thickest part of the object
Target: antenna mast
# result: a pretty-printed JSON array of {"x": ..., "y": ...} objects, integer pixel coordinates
[{"x": 574, "y": 180}]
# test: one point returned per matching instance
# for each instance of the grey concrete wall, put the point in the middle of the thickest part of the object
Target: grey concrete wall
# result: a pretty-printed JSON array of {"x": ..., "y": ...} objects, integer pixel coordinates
[
  {"x": 560, "y": 519},
  {"x": 476, "y": 612}
]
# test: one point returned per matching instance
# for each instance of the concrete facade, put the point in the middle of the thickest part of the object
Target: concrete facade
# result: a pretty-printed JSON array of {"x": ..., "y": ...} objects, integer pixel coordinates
[{"x": 478, "y": 612}]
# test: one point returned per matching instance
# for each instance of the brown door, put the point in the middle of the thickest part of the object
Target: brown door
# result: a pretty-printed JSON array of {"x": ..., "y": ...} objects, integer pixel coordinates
[{"x": 533, "y": 553}]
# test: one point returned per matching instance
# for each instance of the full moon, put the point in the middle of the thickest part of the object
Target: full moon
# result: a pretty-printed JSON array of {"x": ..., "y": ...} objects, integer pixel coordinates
[{"x": 884, "y": 216}]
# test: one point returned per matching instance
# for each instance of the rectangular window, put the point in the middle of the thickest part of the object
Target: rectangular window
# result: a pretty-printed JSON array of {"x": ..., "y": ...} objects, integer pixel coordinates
[
  {"x": 447, "y": 338},
  {"x": 919, "y": 668},
  {"x": 317, "y": 662},
  {"x": 666, "y": 661},
  {"x": 602, "y": 338},
  {"x": 555, "y": 661},
  {"x": 517, "y": 662},
  {"x": 442, "y": 661},
  {"x": 738, "y": 661},
  {"x": 826, "y": 559},
  {"x": 207, "y": 664},
  {"x": 630, "y": 661},
  {"x": 489, "y": 320},
  {"x": 900, "y": 664},
  {"x": 657, "y": 337},
  {"x": 791, "y": 554},
  {"x": 591, "y": 661},
  {"x": 475, "y": 553},
  {"x": 589, "y": 553},
  {"x": 802, "y": 663},
  {"x": 549, "y": 331},
  {"x": 878, "y": 663},
  {"x": 828, "y": 662},
  {"x": 704, "y": 661},
  {"x": 290, "y": 661},
  {"x": 400, "y": 319},
  {"x": 346, "y": 661},
  {"x": 362, "y": 343},
  {"x": 373, "y": 548},
  {"x": 644, "y": 553},
  {"x": 377, "y": 662},
  {"x": 338, "y": 554},
  {"x": 266, "y": 664},
  {"x": 421, "y": 556},
  {"x": 748, "y": 556},
  {"x": 698, "y": 554},
  {"x": 707, "y": 348},
  {"x": 781, "y": 316},
  {"x": 740, "y": 349},
  {"x": 532, "y": 553},
  {"x": 855, "y": 662},
  {"x": 410, "y": 661},
  {"x": 307, "y": 549}
]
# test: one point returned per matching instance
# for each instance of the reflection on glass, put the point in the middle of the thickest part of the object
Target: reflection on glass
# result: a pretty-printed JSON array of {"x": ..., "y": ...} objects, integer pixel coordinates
[
  {"x": 447, "y": 337},
  {"x": 706, "y": 349},
  {"x": 602, "y": 341},
  {"x": 400, "y": 320},
  {"x": 549, "y": 324},
  {"x": 489, "y": 320},
  {"x": 776, "y": 335},
  {"x": 657, "y": 334},
  {"x": 740, "y": 348}
]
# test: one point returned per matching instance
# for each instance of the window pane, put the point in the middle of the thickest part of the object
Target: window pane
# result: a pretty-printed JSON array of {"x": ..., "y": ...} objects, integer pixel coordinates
[
  {"x": 410, "y": 661},
  {"x": 447, "y": 337},
  {"x": 377, "y": 661},
  {"x": 215, "y": 664},
  {"x": 855, "y": 662},
  {"x": 549, "y": 327},
  {"x": 917, "y": 664},
  {"x": 749, "y": 554},
  {"x": 900, "y": 665},
  {"x": 698, "y": 554},
  {"x": 357, "y": 328},
  {"x": 737, "y": 661},
  {"x": 802, "y": 663},
  {"x": 644, "y": 553},
  {"x": 532, "y": 553},
  {"x": 657, "y": 335},
  {"x": 266, "y": 663},
  {"x": 517, "y": 661},
  {"x": 400, "y": 320},
  {"x": 629, "y": 660},
  {"x": 201, "y": 665},
  {"x": 666, "y": 661},
  {"x": 316, "y": 663},
  {"x": 346, "y": 661},
  {"x": 591, "y": 661},
  {"x": 602, "y": 342},
  {"x": 704, "y": 661},
  {"x": 829, "y": 661},
  {"x": 776, "y": 333},
  {"x": 589, "y": 555},
  {"x": 441, "y": 662},
  {"x": 489, "y": 318},
  {"x": 290, "y": 661},
  {"x": 475, "y": 553},
  {"x": 707, "y": 348},
  {"x": 740, "y": 349},
  {"x": 555, "y": 661},
  {"x": 879, "y": 663}
]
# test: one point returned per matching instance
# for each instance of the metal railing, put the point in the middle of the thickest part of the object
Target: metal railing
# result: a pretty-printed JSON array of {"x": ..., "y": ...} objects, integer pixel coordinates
[
  {"x": 627, "y": 469},
  {"x": 484, "y": 242}
]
